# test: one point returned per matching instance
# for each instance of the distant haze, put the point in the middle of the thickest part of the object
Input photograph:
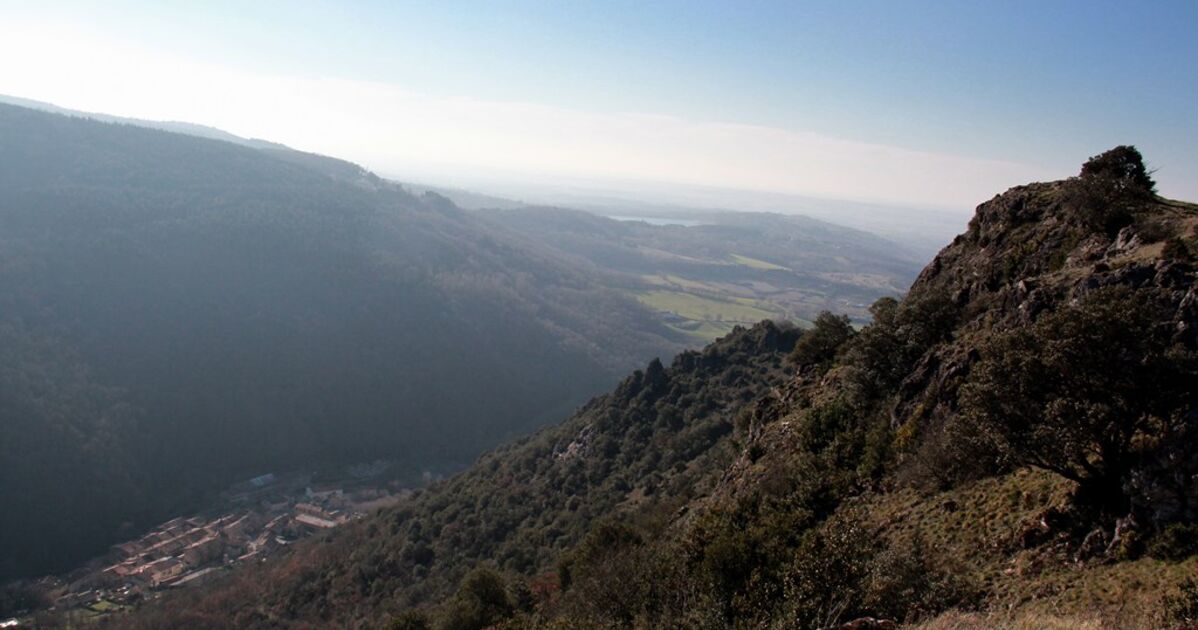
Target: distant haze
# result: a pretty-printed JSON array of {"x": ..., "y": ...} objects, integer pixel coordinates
[
  {"x": 875, "y": 104},
  {"x": 924, "y": 230},
  {"x": 388, "y": 128}
]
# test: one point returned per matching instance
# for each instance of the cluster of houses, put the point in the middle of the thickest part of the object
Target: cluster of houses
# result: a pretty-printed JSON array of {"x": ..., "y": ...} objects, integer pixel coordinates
[
  {"x": 262, "y": 515},
  {"x": 181, "y": 550}
]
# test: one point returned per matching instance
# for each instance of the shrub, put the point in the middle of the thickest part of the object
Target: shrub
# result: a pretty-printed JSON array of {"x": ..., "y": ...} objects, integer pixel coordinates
[
  {"x": 819, "y": 345},
  {"x": 1110, "y": 188},
  {"x": 409, "y": 620},
  {"x": 1123, "y": 165},
  {"x": 1175, "y": 249},
  {"x": 884, "y": 352},
  {"x": 905, "y": 583},
  {"x": 831, "y": 565},
  {"x": 1182, "y": 607},
  {"x": 842, "y": 572},
  {"x": 1175, "y": 543},
  {"x": 1086, "y": 392},
  {"x": 481, "y": 601}
]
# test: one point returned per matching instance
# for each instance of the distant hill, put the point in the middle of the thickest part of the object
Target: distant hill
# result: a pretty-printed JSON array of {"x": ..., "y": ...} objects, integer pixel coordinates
[
  {"x": 177, "y": 313},
  {"x": 710, "y": 271},
  {"x": 191, "y": 129},
  {"x": 1014, "y": 444}
]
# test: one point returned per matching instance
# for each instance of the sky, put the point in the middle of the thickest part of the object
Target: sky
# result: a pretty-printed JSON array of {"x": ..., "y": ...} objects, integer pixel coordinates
[{"x": 923, "y": 104}]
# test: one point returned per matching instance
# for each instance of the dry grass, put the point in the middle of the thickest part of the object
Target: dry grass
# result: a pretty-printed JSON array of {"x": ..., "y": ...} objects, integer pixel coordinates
[
  {"x": 955, "y": 620},
  {"x": 973, "y": 530}
]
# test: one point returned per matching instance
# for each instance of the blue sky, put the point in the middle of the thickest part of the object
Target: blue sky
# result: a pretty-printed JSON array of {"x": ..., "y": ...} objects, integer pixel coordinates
[{"x": 1031, "y": 88}]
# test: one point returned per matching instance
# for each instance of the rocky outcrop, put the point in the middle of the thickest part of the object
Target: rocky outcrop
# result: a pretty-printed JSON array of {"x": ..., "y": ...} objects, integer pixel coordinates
[
  {"x": 1027, "y": 252},
  {"x": 1034, "y": 248}
]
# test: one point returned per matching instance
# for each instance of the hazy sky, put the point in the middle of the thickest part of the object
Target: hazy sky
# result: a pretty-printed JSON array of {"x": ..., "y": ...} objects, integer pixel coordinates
[{"x": 935, "y": 104}]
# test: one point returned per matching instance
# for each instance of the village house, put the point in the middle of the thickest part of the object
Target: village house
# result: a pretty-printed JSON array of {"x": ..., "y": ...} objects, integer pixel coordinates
[{"x": 203, "y": 551}]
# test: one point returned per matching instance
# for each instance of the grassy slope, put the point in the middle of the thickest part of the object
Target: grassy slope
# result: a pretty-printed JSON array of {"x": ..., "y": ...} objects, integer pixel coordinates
[
  {"x": 707, "y": 317},
  {"x": 979, "y": 525},
  {"x": 974, "y": 532}
]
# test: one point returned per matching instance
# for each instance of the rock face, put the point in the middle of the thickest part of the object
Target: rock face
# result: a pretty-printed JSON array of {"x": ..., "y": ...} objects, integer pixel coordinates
[
  {"x": 1036, "y": 248},
  {"x": 1028, "y": 252}
]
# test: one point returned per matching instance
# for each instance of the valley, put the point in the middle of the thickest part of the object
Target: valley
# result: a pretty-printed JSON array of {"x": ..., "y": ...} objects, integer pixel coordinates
[
  {"x": 882, "y": 472},
  {"x": 698, "y": 276},
  {"x": 173, "y": 304},
  {"x": 654, "y": 315}
]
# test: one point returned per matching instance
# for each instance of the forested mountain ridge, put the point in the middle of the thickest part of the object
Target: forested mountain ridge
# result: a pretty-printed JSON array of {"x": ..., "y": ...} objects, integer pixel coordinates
[
  {"x": 1010, "y": 445},
  {"x": 178, "y": 313}
]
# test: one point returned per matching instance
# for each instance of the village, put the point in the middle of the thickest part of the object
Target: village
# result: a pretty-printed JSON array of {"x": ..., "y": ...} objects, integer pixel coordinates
[{"x": 253, "y": 520}]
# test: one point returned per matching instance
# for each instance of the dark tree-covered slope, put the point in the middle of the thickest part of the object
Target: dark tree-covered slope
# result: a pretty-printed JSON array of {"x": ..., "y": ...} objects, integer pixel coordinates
[
  {"x": 656, "y": 443},
  {"x": 177, "y": 313}
]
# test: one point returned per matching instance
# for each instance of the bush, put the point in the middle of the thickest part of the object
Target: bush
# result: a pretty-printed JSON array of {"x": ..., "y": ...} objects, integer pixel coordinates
[
  {"x": 842, "y": 572},
  {"x": 1087, "y": 392},
  {"x": 819, "y": 345},
  {"x": 1182, "y": 607},
  {"x": 831, "y": 565},
  {"x": 1123, "y": 165},
  {"x": 409, "y": 620},
  {"x": 905, "y": 584},
  {"x": 1175, "y": 249},
  {"x": 883, "y": 353},
  {"x": 1110, "y": 188},
  {"x": 606, "y": 539},
  {"x": 481, "y": 601},
  {"x": 1175, "y": 543}
]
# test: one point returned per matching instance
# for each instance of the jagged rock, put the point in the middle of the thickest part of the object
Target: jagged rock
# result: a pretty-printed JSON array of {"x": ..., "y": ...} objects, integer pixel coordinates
[
  {"x": 1126, "y": 530},
  {"x": 1135, "y": 275},
  {"x": 1041, "y": 529},
  {"x": 1093, "y": 545},
  {"x": 1092, "y": 249},
  {"x": 1165, "y": 488},
  {"x": 1126, "y": 240}
]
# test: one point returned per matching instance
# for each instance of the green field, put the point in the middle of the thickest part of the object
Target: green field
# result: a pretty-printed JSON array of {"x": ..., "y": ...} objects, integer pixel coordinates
[
  {"x": 678, "y": 282},
  {"x": 756, "y": 264},
  {"x": 705, "y": 317}
]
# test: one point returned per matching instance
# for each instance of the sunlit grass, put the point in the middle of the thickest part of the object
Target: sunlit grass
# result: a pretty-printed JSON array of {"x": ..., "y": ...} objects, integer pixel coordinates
[{"x": 756, "y": 264}]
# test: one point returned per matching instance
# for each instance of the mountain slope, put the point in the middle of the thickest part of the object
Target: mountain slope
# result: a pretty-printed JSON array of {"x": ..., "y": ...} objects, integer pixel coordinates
[
  {"x": 944, "y": 457},
  {"x": 656, "y": 442},
  {"x": 179, "y": 313}
]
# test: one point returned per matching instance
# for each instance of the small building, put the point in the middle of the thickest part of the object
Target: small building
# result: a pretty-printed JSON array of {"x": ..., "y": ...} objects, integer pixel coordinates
[
  {"x": 203, "y": 551},
  {"x": 314, "y": 522},
  {"x": 194, "y": 577},
  {"x": 127, "y": 549}
]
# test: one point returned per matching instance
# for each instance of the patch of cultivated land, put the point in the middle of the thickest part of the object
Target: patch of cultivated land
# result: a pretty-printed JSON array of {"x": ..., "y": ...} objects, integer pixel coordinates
[
  {"x": 756, "y": 264},
  {"x": 707, "y": 317},
  {"x": 727, "y": 268}
]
